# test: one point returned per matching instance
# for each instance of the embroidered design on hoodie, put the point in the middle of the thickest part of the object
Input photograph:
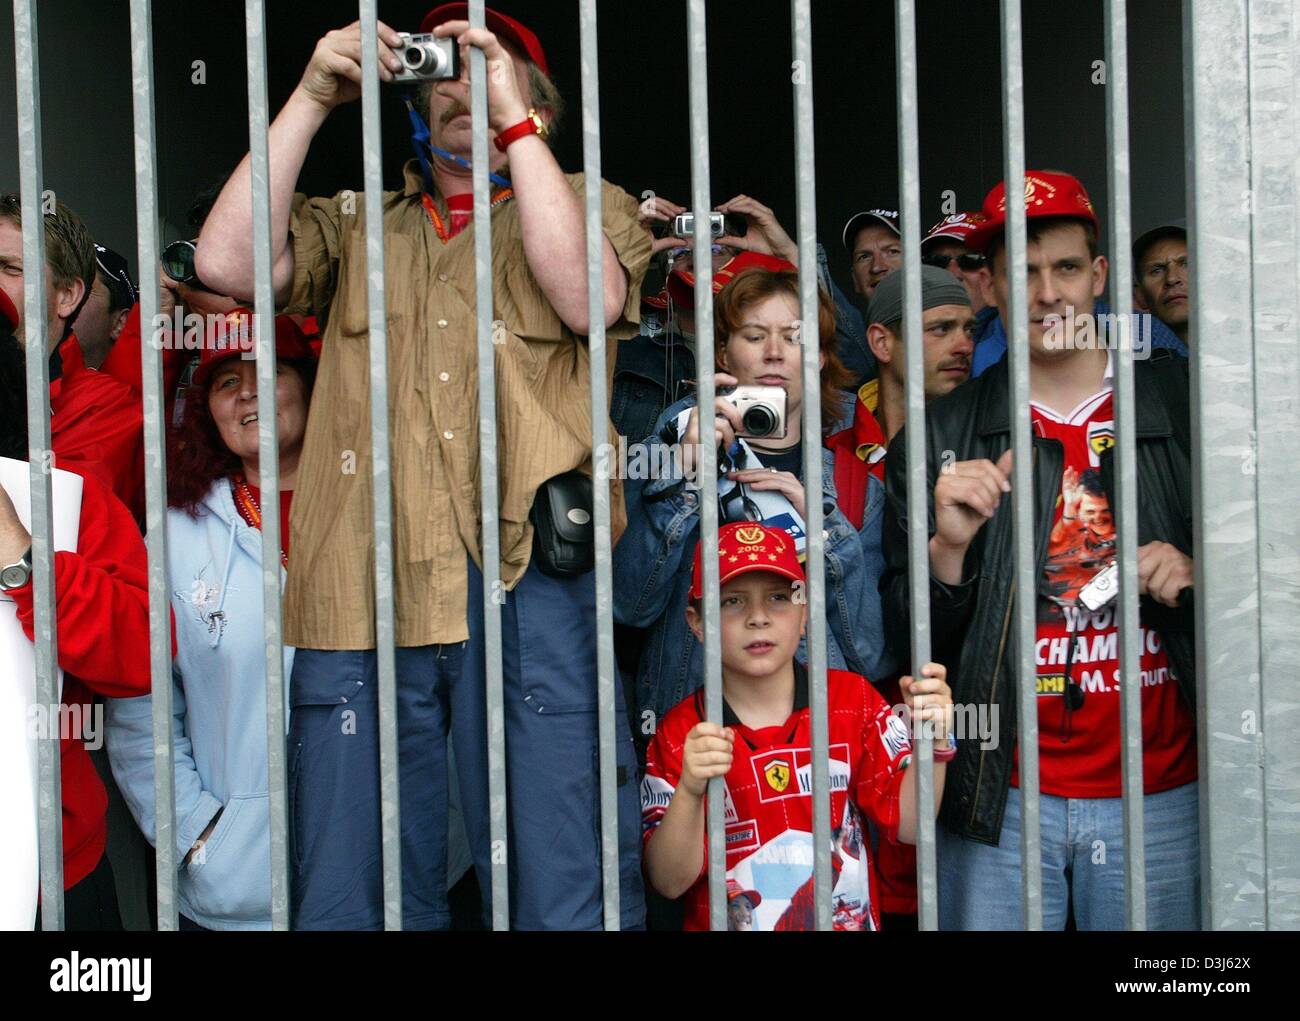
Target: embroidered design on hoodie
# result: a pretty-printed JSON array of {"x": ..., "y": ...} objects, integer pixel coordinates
[{"x": 204, "y": 597}]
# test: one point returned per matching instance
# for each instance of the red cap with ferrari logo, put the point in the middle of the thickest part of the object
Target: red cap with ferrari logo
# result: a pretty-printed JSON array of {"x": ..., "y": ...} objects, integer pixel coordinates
[
  {"x": 1047, "y": 193},
  {"x": 745, "y": 546}
]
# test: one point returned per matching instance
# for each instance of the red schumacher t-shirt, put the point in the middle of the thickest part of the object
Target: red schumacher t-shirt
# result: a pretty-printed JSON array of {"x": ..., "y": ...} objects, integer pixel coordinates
[
  {"x": 769, "y": 805},
  {"x": 1079, "y": 752}
]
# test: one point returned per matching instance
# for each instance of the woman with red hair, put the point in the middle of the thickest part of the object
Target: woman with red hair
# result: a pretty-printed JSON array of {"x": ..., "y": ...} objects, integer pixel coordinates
[{"x": 215, "y": 572}]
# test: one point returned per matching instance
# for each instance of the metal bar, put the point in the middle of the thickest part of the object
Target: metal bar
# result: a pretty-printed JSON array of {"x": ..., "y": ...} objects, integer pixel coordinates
[
  {"x": 268, "y": 456},
  {"x": 1225, "y": 523},
  {"x": 698, "y": 60},
  {"x": 815, "y": 543},
  {"x": 1022, "y": 480},
  {"x": 382, "y": 475},
  {"x": 155, "y": 459},
  {"x": 493, "y": 595},
  {"x": 605, "y": 690},
  {"x": 917, "y": 470},
  {"x": 40, "y": 460},
  {"x": 1125, "y": 398},
  {"x": 1275, "y": 140}
]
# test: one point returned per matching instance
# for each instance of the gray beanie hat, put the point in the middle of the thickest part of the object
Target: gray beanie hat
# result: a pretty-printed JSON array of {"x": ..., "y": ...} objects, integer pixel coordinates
[{"x": 938, "y": 287}]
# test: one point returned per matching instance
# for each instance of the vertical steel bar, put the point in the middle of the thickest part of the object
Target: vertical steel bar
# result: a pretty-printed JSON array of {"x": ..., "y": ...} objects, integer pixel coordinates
[
  {"x": 493, "y": 594},
  {"x": 40, "y": 460},
  {"x": 268, "y": 456},
  {"x": 155, "y": 451},
  {"x": 815, "y": 544},
  {"x": 1024, "y": 676},
  {"x": 1275, "y": 140},
  {"x": 605, "y": 690},
  {"x": 697, "y": 49},
  {"x": 1125, "y": 454},
  {"x": 1225, "y": 521},
  {"x": 909, "y": 174},
  {"x": 382, "y": 477}
]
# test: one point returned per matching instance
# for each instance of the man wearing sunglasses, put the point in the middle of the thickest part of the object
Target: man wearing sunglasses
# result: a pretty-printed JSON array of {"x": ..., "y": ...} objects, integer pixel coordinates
[
  {"x": 102, "y": 317},
  {"x": 944, "y": 247}
]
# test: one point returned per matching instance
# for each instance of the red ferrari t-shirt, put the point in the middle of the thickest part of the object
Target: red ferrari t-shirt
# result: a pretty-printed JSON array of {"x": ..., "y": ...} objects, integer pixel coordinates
[
  {"x": 769, "y": 806},
  {"x": 1079, "y": 751},
  {"x": 461, "y": 210}
]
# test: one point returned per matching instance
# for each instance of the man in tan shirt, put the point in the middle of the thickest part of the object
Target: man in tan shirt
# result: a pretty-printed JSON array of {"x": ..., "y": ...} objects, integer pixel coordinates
[{"x": 543, "y": 422}]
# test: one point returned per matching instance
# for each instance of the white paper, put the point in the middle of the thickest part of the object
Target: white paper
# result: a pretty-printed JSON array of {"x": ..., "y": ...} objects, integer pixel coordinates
[{"x": 19, "y": 863}]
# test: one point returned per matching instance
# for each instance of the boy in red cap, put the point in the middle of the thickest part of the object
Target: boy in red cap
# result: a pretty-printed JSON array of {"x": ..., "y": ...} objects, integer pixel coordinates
[
  {"x": 763, "y": 749},
  {"x": 972, "y": 573}
]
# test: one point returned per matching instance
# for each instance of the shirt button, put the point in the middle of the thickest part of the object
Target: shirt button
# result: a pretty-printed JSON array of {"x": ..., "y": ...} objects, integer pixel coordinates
[
  {"x": 444, "y": 376},
  {"x": 442, "y": 323},
  {"x": 442, "y": 277},
  {"x": 447, "y": 435}
]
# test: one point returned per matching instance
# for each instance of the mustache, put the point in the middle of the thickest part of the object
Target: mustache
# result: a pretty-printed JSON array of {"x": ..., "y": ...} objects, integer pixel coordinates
[{"x": 455, "y": 110}]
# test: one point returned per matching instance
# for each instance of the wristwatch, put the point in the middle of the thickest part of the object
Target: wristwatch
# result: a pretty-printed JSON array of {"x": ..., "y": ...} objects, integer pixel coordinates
[
  {"x": 17, "y": 575},
  {"x": 531, "y": 125}
]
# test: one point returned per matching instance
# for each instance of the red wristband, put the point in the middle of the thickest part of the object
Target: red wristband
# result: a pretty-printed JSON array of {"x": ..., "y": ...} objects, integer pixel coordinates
[{"x": 530, "y": 125}]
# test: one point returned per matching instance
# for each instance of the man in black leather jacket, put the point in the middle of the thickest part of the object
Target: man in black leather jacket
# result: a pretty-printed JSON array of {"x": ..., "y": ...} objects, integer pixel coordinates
[{"x": 972, "y": 595}]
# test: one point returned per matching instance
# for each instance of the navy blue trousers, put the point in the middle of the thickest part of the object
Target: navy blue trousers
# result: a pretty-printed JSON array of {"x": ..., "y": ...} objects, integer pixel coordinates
[{"x": 549, "y": 665}]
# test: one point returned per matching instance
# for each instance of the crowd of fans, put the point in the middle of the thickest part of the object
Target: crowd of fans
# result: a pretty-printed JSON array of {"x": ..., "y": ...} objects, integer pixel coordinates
[{"x": 667, "y": 750}]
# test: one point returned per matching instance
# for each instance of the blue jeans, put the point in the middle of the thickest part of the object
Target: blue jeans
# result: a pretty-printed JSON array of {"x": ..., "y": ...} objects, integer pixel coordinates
[
  {"x": 1083, "y": 863},
  {"x": 548, "y": 658}
]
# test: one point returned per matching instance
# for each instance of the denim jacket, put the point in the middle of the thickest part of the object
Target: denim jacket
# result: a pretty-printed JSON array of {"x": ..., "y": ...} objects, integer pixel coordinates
[
  {"x": 646, "y": 374},
  {"x": 652, "y": 580}
]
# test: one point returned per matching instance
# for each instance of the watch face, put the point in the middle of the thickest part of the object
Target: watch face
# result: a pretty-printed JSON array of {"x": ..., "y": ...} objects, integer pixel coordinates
[{"x": 14, "y": 576}]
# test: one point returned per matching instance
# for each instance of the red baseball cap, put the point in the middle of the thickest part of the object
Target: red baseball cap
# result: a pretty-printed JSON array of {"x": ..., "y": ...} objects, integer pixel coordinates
[
  {"x": 681, "y": 283},
  {"x": 734, "y": 890},
  {"x": 956, "y": 227},
  {"x": 1047, "y": 193},
  {"x": 233, "y": 337},
  {"x": 745, "y": 546},
  {"x": 517, "y": 34}
]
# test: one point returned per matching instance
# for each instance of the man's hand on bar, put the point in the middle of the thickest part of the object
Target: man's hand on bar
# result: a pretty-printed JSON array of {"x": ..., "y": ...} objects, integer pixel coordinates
[
  {"x": 506, "y": 107},
  {"x": 966, "y": 495}
]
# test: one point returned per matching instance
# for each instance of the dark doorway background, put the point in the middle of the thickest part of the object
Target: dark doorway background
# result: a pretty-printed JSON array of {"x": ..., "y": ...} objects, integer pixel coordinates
[{"x": 202, "y": 129}]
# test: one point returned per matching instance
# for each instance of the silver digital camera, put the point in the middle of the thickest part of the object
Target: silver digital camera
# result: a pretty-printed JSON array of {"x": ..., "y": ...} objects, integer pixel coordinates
[
  {"x": 1103, "y": 588},
  {"x": 762, "y": 410},
  {"x": 684, "y": 225},
  {"x": 426, "y": 58}
]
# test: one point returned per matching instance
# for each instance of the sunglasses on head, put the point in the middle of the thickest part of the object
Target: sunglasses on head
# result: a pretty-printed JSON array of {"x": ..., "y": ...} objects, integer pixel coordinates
[{"x": 969, "y": 261}]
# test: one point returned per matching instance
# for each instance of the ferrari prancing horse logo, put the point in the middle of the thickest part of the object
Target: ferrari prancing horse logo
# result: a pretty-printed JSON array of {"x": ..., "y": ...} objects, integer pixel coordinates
[{"x": 778, "y": 775}]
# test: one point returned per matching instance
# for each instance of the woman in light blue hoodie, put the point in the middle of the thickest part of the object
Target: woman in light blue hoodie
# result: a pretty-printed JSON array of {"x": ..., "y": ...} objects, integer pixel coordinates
[{"x": 214, "y": 549}]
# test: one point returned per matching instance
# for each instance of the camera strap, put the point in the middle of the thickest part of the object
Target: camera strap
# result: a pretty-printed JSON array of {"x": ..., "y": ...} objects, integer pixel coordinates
[{"x": 424, "y": 149}]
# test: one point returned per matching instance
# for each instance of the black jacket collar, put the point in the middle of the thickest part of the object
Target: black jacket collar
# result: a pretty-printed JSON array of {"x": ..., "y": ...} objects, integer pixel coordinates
[{"x": 1151, "y": 417}]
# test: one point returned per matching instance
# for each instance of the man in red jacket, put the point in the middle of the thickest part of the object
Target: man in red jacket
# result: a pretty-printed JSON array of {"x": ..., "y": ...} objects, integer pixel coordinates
[
  {"x": 96, "y": 420},
  {"x": 102, "y": 623}
]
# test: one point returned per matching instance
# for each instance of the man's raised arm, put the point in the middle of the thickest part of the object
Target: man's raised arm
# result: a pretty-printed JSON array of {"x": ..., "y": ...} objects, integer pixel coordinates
[{"x": 224, "y": 256}]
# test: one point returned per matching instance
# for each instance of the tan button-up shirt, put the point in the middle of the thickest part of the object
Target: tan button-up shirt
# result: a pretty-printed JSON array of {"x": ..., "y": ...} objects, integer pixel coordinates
[{"x": 543, "y": 410}]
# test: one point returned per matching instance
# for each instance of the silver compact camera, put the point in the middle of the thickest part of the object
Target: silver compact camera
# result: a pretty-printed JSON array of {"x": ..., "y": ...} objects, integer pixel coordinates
[
  {"x": 684, "y": 225},
  {"x": 762, "y": 410},
  {"x": 1103, "y": 588},
  {"x": 426, "y": 58}
]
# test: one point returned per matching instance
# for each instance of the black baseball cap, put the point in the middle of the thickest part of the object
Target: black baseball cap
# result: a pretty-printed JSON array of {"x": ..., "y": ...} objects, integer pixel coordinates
[
  {"x": 1172, "y": 229},
  {"x": 117, "y": 277}
]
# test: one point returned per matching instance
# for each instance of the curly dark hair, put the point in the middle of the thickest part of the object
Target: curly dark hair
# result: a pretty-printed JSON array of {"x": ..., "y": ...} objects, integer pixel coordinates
[{"x": 196, "y": 454}]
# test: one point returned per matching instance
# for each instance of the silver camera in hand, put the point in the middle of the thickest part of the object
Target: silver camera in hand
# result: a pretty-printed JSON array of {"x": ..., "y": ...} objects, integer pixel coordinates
[
  {"x": 762, "y": 410},
  {"x": 426, "y": 58}
]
